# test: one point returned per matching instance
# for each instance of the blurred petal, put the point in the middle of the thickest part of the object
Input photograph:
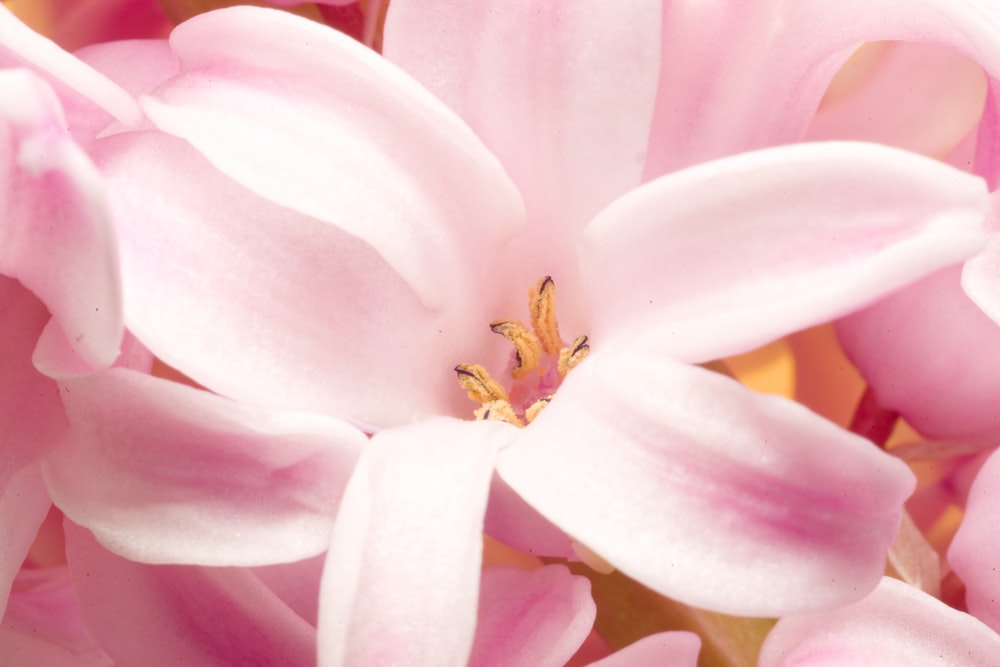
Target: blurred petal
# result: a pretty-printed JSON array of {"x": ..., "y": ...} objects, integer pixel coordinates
[
  {"x": 31, "y": 413},
  {"x": 23, "y": 505},
  {"x": 723, "y": 257},
  {"x": 709, "y": 493},
  {"x": 198, "y": 478},
  {"x": 762, "y": 68},
  {"x": 535, "y": 618},
  {"x": 896, "y": 625},
  {"x": 931, "y": 355},
  {"x": 57, "y": 237},
  {"x": 677, "y": 649},
  {"x": 21, "y": 46},
  {"x": 268, "y": 306},
  {"x": 313, "y": 121},
  {"x": 82, "y": 22},
  {"x": 519, "y": 525},
  {"x": 43, "y": 626},
  {"x": 981, "y": 274},
  {"x": 975, "y": 552},
  {"x": 402, "y": 573},
  {"x": 167, "y": 615},
  {"x": 562, "y": 91}
]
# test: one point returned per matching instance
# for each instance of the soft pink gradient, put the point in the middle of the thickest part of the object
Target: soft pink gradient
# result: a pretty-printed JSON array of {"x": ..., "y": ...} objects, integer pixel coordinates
[{"x": 895, "y": 625}]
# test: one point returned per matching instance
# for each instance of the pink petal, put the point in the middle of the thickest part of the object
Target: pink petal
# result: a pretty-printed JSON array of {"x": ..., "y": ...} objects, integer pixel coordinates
[
  {"x": 677, "y": 649},
  {"x": 709, "y": 493},
  {"x": 895, "y": 625},
  {"x": 736, "y": 79},
  {"x": 561, "y": 91},
  {"x": 31, "y": 413},
  {"x": 930, "y": 354},
  {"x": 519, "y": 525},
  {"x": 533, "y": 618},
  {"x": 921, "y": 97},
  {"x": 297, "y": 584},
  {"x": 78, "y": 23},
  {"x": 402, "y": 573},
  {"x": 57, "y": 237},
  {"x": 313, "y": 121},
  {"x": 198, "y": 478},
  {"x": 24, "y": 503},
  {"x": 176, "y": 615},
  {"x": 21, "y": 46},
  {"x": 981, "y": 274},
  {"x": 723, "y": 257},
  {"x": 311, "y": 318},
  {"x": 975, "y": 551},
  {"x": 43, "y": 626}
]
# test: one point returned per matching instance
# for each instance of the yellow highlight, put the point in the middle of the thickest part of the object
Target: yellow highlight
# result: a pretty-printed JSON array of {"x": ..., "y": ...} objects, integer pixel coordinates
[{"x": 768, "y": 370}]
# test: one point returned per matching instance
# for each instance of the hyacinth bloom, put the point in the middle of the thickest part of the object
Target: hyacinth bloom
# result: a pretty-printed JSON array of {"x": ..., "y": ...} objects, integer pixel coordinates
[{"x": 350, "y": 240}]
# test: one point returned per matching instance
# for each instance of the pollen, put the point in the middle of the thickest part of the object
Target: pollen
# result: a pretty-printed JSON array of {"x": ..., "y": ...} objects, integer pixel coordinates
[{"x": 540, "y": 361}]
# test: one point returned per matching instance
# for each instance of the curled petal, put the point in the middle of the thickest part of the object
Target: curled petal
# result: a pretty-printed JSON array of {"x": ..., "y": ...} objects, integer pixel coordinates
[
  {"x": 198, "y": 478},
  {"x": 56, "y": 236},
  {"x": 537, "y": 618},
  {"x": 723, "y": 257},
  {"x": 975, "y": 551},
  {"x": 313, "y": 121},
  {"x": 896, "y": 625},
  {"x": 763, "y": 67},
  {"x": 709, "y": 493},
  {"x": 402, "y": 573},
  {"x": 181, "y": 615}
]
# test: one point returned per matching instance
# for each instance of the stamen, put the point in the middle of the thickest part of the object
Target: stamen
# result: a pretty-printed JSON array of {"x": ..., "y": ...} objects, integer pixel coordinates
[
  {"x": 543, "y": 315},
  {"x": 481, "y": 387},
  {"x": 535, "y": 408},
  {"x": 527, "y": 348},
  {"x": 501, "y": 411},
  {"x": 570, "y": 356}
]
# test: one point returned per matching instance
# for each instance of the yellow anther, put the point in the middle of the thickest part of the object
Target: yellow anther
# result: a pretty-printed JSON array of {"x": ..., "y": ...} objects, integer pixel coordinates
[
  {"x": 543, "y": 315},
  {"x": 481, "y": 387},
  {"x": 535, "y": 408},
  {"x": 526, "y": 346},
  {"x": 570, "y": 356},
  {"x": 498, "y": 411}
]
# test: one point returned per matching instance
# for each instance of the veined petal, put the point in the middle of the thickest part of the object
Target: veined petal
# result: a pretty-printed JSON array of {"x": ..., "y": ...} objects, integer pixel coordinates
[
  {"x": 538, "y": 618},
  {"x": 313, "y": 121},
  {"x": 56, "y": 236},
  {"x": 762, "y": 68},
  {"x": 265, "y": 305},
  {"x": 561, "y": 91},
  {"x": 402, "y": 573},
  {"x": 197, "y": 478},
  {"x": 896, "y": 625},
  {"x": 723, "y": 257},
  {"x": 677, "y": 649},
  {"x": 706, "y": 492},
  {"x": 975, "y": 551},
  {"x": 170, "y": 614}
]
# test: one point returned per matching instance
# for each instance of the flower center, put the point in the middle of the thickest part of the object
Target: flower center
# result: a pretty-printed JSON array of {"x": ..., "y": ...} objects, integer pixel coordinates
[{"x": 540, "y": 362}]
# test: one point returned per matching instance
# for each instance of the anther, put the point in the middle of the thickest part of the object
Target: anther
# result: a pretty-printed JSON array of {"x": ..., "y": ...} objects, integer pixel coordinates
[
  {"x": 481, "y": 387},
  {"x": 498, "y": 411},
  {"x": 527, "y": 348},
  {"x": 570, "y": 356},
  {"x": 543, "y": 315},
  {"x": 535, "y": 408}
]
